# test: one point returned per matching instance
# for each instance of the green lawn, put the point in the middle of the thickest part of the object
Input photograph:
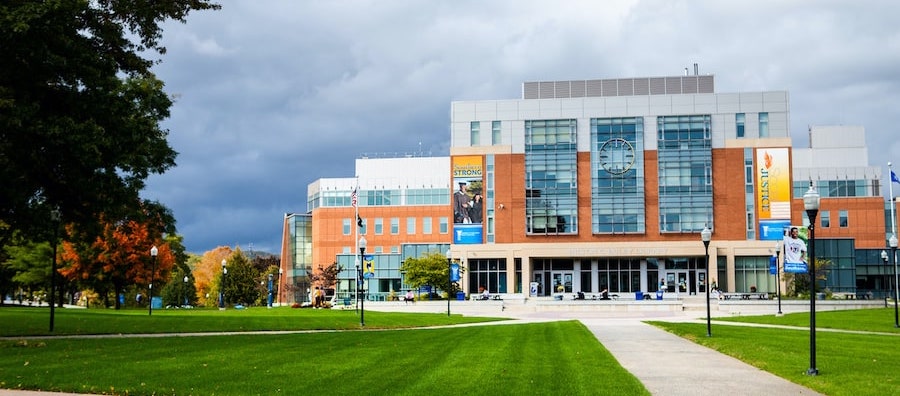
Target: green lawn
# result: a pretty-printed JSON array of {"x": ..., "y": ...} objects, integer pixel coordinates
[
  {"x": 848, "y": 363},
  {"x": 544, "y": 358},
  {"x": 21, "y": 321}
]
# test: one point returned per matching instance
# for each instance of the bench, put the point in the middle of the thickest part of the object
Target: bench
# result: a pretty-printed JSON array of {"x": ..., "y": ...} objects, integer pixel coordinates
[
  {"x": 479, "y": 297},
  {"x": 844, "y": 296},
  {"x": 576, "y": 296},
  {"x": 745, "y": 296}
]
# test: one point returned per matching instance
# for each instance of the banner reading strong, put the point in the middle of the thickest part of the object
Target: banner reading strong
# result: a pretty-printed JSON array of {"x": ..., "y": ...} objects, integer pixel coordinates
[{"x": 468, "y": 199}]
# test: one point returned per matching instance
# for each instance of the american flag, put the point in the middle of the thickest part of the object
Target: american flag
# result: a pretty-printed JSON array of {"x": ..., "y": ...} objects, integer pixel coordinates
[{"x": 354, "y": 198}]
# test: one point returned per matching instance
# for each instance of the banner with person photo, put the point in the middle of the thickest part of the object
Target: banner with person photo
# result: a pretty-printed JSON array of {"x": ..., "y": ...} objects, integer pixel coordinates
[
  {"x": 467, "y": 199},
  {"x": 795, "y": 243}
]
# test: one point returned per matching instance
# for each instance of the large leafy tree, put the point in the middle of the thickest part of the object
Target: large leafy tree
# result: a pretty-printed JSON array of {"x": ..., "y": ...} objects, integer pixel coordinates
[
  {"x": 119, "y": 257},
  {"x": 80, "y": 108},
  {"x": 242, "y": 282},
  {"x": 430, "y": 269}
]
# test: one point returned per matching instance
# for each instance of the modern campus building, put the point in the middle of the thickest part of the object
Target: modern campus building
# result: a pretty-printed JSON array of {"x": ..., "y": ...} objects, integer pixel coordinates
[{"x": 595, "y": 184}]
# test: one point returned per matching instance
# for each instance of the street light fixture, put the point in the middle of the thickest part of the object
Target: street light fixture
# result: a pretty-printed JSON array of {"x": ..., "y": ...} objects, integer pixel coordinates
[
  {"x": 449, "y": 279},
  {"x": 186, "y": 291},
  {"x": 271, "y": 277},
  {"x": 54, "y": 217},
  {"x": 884, "y": 278},
  {"x": 778, "y": 275},
  {"x": 153, "y": 252},
  {"x": 893, "y": 243},
  {"x": 360, "y": 284},
  {"x": 706, "y": 236},
  {"x": 811, "y": 205},
  {"x": 222, "y": 287}
]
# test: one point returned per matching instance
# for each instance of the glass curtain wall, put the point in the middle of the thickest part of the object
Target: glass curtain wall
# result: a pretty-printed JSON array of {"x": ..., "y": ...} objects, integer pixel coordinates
[
  {"x": 551, "y": 186},
  {"x": 685, "y": 173},
  {"x": 617, "y": 175}
]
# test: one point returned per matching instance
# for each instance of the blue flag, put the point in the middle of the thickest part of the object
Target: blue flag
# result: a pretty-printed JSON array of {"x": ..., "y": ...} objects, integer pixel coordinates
[{"x": 894, "y": 177}]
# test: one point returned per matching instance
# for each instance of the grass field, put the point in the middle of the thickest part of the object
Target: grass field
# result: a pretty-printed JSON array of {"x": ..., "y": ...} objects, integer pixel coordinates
[
  {"x": 543, "y": 358},
  {"x": 849, "y": 363}
]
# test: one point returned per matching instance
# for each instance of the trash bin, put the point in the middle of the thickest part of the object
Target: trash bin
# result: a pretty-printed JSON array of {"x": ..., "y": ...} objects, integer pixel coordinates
[
  {"x": 639, "y": 296},
  {"x": 460, "y": 296},
  {"x": 659, "y": 294}
]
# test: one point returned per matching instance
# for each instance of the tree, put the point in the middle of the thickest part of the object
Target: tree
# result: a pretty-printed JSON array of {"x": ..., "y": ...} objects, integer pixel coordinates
[
  {"x": 798, "y": 283},
  {"x": 80, "y": 108},
  {"x": 242, "y": 282},
  {"x": 118, "y": 258},
  {"x": 177, "y": 292},
  {"x": 29, "y": 262},
  {"x": 326, "y": 277},
  {"x": 430, "y": 269}
]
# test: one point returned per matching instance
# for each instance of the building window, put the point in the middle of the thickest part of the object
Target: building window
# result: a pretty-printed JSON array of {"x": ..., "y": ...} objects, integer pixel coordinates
[
  {"x": 379, "y": 226},
  {"x": 495, "y": 133},
  {"x": 426, "y": 225},
  {"x": 843, "y": 219},
  {"x": 474, "y": 133},
  {"x": 763, "y": 125},
  {"x": 346, "y": 227},
  {"x": 617, "y": 169},
  {"x": 428, "y": 196},
  {"x": 551, "y": 185},
  {"x": 395, "y": 226},
  {"x": 487, "y": 273},
  {"x": 444, "y": 225},
  {"x": 739, "y": 120},
  {"x": 685, "y": 173},
  {"x": 826, "y": 218},
  {"x": 411, "y": 226}
]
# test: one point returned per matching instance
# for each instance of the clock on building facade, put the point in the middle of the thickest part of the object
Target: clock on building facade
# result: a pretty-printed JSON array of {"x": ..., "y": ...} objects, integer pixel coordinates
[{"x": 617, "y": 156}]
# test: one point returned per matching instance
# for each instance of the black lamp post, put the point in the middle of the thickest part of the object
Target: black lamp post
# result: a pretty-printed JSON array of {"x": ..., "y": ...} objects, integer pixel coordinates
[
  {"x": 271, "y": 277},
  {"x": 449, "y": 279},
  {"x": 884, "y": 280},
  {"x": 706, "y": 236},
  {"x": 153, "y": 252},
  {"x": 54, "y": 217},
  {"x": 222, "y": 292},
  {"x": 360, "y": 284},
  {"x": 893, "y": 243},
  {"x": 778, "y": 275},
  {"x": 811, "y": 204},
  {"x": 186, "y": 290}
]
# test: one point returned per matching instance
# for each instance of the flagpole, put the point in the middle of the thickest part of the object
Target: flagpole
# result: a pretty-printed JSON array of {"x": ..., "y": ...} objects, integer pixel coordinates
[
  {"x": 354, "y": 200},
  {"x": 891, "y": 188}
]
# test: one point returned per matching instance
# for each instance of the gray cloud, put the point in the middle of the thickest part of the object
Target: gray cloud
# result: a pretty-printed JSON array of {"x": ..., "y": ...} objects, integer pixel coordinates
[{"x": 274, "y": 95}]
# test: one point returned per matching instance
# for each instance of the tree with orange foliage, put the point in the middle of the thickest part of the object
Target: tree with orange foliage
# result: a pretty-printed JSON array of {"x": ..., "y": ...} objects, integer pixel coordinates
[
  {"x": 207, "y": 274},
  {"x": 118, "y": 257}
]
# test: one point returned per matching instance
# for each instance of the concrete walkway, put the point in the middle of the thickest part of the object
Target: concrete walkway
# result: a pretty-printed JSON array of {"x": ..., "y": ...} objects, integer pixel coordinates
[{"x": 666, "y": 364}]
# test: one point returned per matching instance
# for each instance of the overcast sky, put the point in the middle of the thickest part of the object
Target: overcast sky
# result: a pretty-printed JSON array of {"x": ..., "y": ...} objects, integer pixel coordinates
[{"x": 272, "y": 95}]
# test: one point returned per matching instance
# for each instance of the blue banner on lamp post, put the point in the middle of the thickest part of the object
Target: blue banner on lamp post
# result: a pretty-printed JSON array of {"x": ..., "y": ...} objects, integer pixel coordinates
[{"x": 454, "y": 272}]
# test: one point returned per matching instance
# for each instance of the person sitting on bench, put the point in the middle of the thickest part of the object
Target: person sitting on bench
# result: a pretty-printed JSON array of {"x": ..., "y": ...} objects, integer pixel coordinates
[
  {"x": 579, "y": 295},
  {"x": 604, "y": 294},
  {"x": 409, "y": 297},
  {"x": 485, "y": 294}
]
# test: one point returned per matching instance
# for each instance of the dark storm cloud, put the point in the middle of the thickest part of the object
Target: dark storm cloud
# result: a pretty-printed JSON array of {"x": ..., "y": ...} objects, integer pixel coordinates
[{"x": 273, "y": 95}]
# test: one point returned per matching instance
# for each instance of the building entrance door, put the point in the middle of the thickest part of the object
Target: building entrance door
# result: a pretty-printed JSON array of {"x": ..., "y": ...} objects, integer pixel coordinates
[
  {"x": 677, "y": 281},
  {"x": 561, "y": 281}
]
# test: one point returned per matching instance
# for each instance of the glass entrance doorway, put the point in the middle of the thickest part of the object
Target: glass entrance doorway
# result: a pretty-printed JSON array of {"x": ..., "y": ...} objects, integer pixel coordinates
[
  {"x": 677, "y": 281},
  {"x": 561, "y": 281}
]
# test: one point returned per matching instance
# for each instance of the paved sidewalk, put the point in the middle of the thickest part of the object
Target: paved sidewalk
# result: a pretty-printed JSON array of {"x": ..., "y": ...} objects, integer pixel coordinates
[{"x": 670, "y": 365}]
